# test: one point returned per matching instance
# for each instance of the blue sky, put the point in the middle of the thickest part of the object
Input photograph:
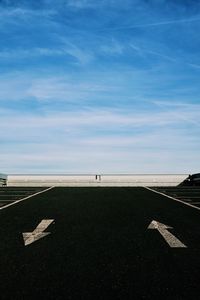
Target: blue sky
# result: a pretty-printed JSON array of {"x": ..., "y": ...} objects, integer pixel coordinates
[{"x": 100, "y": 86}]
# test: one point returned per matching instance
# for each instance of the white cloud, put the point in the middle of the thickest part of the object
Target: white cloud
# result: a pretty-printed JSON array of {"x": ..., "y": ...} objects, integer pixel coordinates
[
  {"x": 114, "y": 47},
  {"x": 63, "y": 89},
  {"x": 150, "y": 48},
  {"x": 81, "y": 56},
  {"x": 31, "y": 52},
  {"x": 24, "y": 12},
  {"x": 90, "y": 160},
  {"x": 23, "y": 16},
  {"x": 196, "y": 66},
  {"x": 81, "y": 3},
  {"x": 17, "y": 86},
  {"x": 99, "y": 126},
  {"x": 103, "y": 118},
  {"x": 158, "y": 23},
  {"x": 99, "y": 141}
]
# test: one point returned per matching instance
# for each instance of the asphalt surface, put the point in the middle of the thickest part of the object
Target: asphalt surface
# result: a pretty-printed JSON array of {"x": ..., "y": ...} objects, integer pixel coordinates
[
  {"x": 187, "y": 194},
  {"x": 99, "y": 246},
  {"x": 10, "y": 195}
]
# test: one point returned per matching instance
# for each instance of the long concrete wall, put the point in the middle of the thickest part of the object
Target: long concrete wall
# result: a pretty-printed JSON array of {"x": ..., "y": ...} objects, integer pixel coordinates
[{"x": 96, "y": 180}]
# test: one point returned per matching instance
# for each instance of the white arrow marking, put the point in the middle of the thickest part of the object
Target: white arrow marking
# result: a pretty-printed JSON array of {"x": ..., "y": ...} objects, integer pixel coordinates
[
  {"x": 169, "y": 237},
  {"x": 31, "y": 237}
]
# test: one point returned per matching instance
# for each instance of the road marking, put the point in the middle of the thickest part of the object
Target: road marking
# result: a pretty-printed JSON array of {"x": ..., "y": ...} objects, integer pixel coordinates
[
  {"x": 35, "y": 235},
  {"x": 185, "y": 203},
  {"x": 172, "y": 241},
  {"x": 26, "y": 198},
  {"x": 12, "y": 195},
  {"x": 5, "y": 200}
]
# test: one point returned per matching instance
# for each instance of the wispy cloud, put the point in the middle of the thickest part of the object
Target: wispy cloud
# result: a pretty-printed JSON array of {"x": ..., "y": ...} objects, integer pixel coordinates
[
  {"x": 19, "y": 86},
  {"x": 81, "y": 3},
  {"x": 114, "y": 47},
  {"x": 23, "y": 12},
  {"x": 23, "y": 53},
  {"x": 84, "y": 4},
  {"x": 104, "y": 119},
  {"x": 69, "y": 142},
  {"x": 142, "y": 51},
  {"x": 80, "y": 56},
  {"x": 64, "y": 90},
  {"x": 196, "y": 66},
  {"x": 156, "y": 24},
  {"x": 108, "y": 86}
]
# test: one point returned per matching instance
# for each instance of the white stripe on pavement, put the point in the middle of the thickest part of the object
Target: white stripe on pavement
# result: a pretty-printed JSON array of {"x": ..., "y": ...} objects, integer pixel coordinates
[
  {"x": 185, "y": 203},
  {"x": 8, "y": 205}
]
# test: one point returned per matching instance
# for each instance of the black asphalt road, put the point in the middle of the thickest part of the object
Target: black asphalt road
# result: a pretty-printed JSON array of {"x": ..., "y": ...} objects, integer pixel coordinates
[{"x": 99, "y": 247}]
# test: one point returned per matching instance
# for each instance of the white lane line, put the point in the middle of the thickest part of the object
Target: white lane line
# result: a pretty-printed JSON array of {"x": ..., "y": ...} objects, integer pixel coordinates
[
  {"x": 172, "y": 241},
  {"x": 6, "y": 200},
  {"x": 13, "y": 195},
  {"x": 37, "y": 233},
  {"x": 26, "y": 198},
  {"x": 185, "y": 203},
  {"x": 21, "y": 191}
]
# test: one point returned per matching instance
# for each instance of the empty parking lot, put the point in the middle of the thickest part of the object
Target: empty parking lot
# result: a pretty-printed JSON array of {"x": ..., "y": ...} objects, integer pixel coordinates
[{"x": 98, "y": 243}]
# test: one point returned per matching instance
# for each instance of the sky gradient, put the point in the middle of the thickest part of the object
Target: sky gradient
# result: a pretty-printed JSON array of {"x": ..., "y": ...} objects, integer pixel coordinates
[{"x": 100, "y": 86}]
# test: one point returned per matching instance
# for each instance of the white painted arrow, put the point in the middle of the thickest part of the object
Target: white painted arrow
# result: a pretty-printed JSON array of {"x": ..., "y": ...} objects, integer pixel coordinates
[
  {"x": 31, "y": 237},
  {"x": 169, "y": 237}
]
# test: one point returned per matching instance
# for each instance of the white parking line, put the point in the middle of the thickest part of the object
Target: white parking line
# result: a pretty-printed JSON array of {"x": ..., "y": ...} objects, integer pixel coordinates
[
  {"x": 185, "y": 203},
  {"x": 18, "y": 195},
  {"x": 18, "y": 190},
  {"x": 7, "y": 200},
  {"x": 26, "y": 198}
]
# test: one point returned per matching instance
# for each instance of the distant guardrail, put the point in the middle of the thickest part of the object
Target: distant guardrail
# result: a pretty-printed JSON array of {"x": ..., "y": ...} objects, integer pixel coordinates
[{"x": 3, "y": 179}]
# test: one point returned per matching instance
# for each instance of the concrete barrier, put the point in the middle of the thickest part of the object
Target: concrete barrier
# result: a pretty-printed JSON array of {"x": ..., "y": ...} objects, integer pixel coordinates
[{"x": 93, "y": 180}]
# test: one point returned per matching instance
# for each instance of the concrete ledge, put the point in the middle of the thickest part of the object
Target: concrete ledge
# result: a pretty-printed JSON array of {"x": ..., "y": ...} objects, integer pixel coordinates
[{"x": 92, "y": 180}]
